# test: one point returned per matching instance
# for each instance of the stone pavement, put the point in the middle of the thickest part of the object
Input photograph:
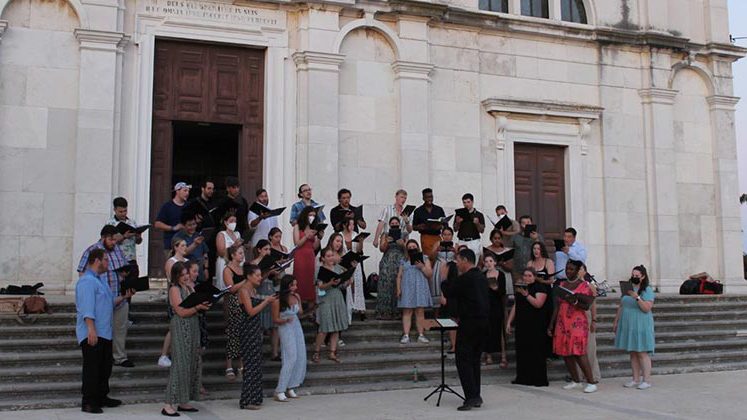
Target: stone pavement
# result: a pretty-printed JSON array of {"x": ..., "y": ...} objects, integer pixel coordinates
[{"x": 690, "y": 396}]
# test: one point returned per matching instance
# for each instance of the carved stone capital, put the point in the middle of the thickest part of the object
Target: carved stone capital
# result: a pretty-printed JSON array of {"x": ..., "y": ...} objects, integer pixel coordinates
[
  {"x": 722, "y": 102},
  {"x": 658, "y": 96},
  {"x": 99, "y": 40},
  {"x": 412, "y": 70},
  {"x": 321, "y": 61}
]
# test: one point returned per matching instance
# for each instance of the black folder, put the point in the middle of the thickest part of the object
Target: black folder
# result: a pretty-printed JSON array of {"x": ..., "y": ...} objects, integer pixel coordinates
[
  {"x": 416, "y": 257},
  {"x": 503, "y": 223},
  {"x": 351, "y": 256},
  {"x": 204, "y": 292},
  {"x": 503, "y": 256},
  {"x": 407, "y": 210},
  {"x": 326, "y": 275},
  {"x": 361, "y": 237},
  {"x": 140, "y": 284},
  {"x": 259, "y": 209},
  {"x": 559, "y": 244},
  {"x": 123, "y": 228}
]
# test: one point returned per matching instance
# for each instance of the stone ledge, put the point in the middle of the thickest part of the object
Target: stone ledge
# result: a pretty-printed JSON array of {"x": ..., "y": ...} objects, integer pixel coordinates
[{"x": 549, "y": 109}]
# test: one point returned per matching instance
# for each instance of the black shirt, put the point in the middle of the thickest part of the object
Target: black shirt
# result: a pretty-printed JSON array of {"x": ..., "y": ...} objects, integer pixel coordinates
[
  {"x": 468, "y": 228},
  {"x": 202, "y": 207},
  {"x": 421, "y": 216},
  {"x": 471, "y": 293}
]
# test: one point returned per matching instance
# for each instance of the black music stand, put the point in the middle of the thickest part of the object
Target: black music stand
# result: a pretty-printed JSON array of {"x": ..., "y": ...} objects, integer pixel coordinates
[{"x": 435, "y": 324}]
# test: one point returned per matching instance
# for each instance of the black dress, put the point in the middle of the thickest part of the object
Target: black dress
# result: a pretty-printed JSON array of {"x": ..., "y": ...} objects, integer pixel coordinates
[
  {"x": 496, "y": 316},
  {"x": 530, "y": 324}
]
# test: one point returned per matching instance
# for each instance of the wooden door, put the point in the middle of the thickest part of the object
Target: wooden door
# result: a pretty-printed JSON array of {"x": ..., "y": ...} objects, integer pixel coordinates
[
  {"x": 539, "y": 174},
  {"x": 204, "y": 83}
]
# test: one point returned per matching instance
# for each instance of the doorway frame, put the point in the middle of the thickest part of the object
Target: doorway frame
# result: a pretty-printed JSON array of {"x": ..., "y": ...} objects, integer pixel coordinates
[
  {"x": 544, "y": 123},
  {"x": 279, "y": 91}
]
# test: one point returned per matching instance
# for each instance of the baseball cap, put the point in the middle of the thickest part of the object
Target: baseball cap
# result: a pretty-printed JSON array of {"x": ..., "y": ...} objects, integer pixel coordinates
[{"x": 180, "y": 185}]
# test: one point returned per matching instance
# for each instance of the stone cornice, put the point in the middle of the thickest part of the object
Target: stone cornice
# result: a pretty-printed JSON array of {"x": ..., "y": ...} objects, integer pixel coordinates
[
  {"x": 722, "y": 102},
  {"x": 314, "y": 60},
  {"x": 412, "y": 70},
  {"x": 507, "y": 106},
  {"x": 100, "y": 40},
  {"x": 658, "y": 96}
]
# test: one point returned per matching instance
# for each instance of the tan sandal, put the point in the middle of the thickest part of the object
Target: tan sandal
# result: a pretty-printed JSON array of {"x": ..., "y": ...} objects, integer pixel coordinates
[
  {"x": 333, "y": 357},
  {"x": 315, "y": 357}
]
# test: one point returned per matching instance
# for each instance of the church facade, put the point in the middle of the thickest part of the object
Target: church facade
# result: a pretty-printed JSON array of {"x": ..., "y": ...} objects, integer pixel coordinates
[{"x": 615, "y": 117}]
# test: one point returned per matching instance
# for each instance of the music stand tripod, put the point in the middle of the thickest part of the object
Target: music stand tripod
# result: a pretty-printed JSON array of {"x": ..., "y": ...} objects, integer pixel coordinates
[{"x": 442, "y": 387}]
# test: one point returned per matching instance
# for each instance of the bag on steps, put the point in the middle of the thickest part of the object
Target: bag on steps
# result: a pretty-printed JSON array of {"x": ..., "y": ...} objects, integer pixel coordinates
[
  {"x": 690, "y": 287},
  {"x": 35, "y": 305}
]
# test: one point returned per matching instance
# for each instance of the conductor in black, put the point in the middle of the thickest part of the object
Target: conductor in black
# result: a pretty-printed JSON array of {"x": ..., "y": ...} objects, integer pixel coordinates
[{"x": 471, "y": 294}]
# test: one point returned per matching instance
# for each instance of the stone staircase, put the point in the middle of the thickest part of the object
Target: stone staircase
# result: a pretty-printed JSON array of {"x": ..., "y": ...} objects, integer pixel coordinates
[{"x": 40, "y": 362}]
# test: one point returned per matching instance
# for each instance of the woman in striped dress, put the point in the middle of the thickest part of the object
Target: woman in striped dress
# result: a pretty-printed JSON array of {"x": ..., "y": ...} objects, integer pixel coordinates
[
  {"x": 184, "y": 374},
  {"x": 250, "y": 337},
  {"x": 233, "y": 277}
]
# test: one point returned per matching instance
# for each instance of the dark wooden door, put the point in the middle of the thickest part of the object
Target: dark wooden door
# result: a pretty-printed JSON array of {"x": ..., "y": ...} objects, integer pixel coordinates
[
  {"x": 203, "y": 83},
  {"x": 539, "y": 174}
]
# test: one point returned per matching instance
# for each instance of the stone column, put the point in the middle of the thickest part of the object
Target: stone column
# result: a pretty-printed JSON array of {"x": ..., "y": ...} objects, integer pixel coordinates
[
  {"x": 726, "y": 181},
  {"x": 661, "y": 180},
  {"x": 95, "y": 138},
  {"x": 318, "y": 122},
  {"x": 412, "y": 83}
]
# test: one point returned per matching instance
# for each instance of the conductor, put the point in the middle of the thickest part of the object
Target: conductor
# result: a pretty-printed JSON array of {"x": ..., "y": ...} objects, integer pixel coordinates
[{"x": 470, "y": 291}]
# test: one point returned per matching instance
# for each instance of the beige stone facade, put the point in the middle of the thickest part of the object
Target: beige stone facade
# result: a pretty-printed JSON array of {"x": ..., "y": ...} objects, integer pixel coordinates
[{"x": 376, "y": 96}]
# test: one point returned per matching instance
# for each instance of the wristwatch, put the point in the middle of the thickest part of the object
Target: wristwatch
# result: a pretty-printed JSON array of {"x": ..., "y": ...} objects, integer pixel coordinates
[{"x": 638, "y": 298}]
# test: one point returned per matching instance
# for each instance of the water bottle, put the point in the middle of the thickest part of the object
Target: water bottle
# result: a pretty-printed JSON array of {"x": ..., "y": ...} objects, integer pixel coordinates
[{"x": 415, "y": 373}]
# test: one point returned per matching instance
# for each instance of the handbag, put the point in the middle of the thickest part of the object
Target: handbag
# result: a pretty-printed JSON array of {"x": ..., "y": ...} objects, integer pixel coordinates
[{"x": 35, "y": 305}]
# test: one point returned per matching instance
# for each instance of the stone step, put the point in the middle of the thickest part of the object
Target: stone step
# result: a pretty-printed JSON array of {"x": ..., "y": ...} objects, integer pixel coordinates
[{"x": 341, "y": 377}]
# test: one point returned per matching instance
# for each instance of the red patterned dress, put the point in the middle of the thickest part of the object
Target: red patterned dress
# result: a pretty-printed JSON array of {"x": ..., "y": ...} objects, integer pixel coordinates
[{"x": 571, "y": 333}]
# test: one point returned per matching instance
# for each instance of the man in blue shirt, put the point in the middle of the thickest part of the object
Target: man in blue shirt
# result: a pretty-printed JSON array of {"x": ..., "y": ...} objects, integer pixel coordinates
[
  {"x": 304, "y": 193},
  {"x": 117, "y": 270},
  {"x": 573, "y": 250},
  {"x": 94, "y": 304}
]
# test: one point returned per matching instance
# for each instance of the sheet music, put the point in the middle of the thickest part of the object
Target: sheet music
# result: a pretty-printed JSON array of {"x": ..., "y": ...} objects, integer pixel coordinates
[{"x": 446, "y": 322}]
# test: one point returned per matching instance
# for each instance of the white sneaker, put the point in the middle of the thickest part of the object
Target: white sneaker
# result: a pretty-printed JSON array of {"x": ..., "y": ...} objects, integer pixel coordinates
[
  {"x": 405, "y": 339},
  {"x": 280, "y": 397},
  {"x": 631, "y": 384},
  {"x": 644, "y": 385},
  {"x": 291, "y": 394},
  {"x": 423, "y": 339},
  {"x": 590, "y": 388},
  {"x": 164, "y": 361},
  {"x": 571, "y": 385},
  {"x": 340, "y": 343}
]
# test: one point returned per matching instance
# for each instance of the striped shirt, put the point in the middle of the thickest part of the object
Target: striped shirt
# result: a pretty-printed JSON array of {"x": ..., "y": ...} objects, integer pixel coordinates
[{"x": 117, "y": 260}]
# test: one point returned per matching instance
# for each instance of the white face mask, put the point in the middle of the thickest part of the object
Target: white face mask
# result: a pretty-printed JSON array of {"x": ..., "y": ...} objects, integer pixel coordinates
[
  {"x": 232, "y": 226},
  {"x": 311, "y": 219}
]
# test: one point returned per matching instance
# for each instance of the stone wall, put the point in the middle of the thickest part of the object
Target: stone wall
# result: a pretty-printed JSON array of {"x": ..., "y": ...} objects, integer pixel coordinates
[{"x": 39, "y": 63}]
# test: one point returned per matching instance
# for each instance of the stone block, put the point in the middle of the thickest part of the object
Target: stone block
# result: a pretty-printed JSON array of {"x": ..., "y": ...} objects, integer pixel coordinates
[
  {"x": 453, "y": 37},
  {"x": 58, "y": 214},
  {"x": 348, "y": 77},
  {"x": 53, "y": 88},
  {"x": 466, "y": 87},
  {"x": 698, "y": 259},
  {"x": 95, "y": 118},
  {"x": 23, "y": 126},
  {"x": 696, "y": 199},
  {"x": 443, "y": 152},
  {"x": 46, "y": 259},
  {"x": 626, "y": 228},
  {"x": 384, "y": 146},
  {"x": 368, "y": 45},
  {"x": 624, "y": 162},
  {"x": 51, "y": 48},
  {"x": 411, "y": 29},
  {"x": 348, "y": 150},
  {"x": 62, "y": 129},
  {"x": 527, "y": 67},
  {"x": 374, "y": 79},
  {"x": 12, "y": 84},
  {"x": 690, "y": 231},
  {"x": 48, "y": 171},
  {"x": 455, "y": 58},
  {"x": 11, "y": 168},
  {"x": 417, "y": 142},
  {"x": 414, "y": 50},
  {"x": 468, "y": 157},
  {"x": 442, "y": 84},
  {"x": 709, "y": 232},
  {"x": 356, "y": 113},
  {"x": 455, "y": 118},
  {"x": 553, "y": 70},
  {"x": 595, "y": 228},
  {"x": 495, "y": 43},
  {"x": 694, "y": 168},
  {"x": 22, "y": 213},
  {"x": 499, "y": 64},
  {"x": 625, "y": 195},
  {"x": 98, "y": 69},
  {"x": 625, "y": 258},
  {"x": 586, "y": 74},
  {"x": 9, "y": 258},
  {"x": 386, "y": 116},
  {"x": 94, "y": 174},
  {"x": 94, "y": 203}
]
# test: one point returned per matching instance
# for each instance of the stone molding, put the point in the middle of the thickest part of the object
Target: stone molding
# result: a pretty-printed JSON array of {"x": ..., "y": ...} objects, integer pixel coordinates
[
  {"x": 320, "y": 61},
  {"x": 658, "y": 96},
  {"x": 506, "y": 106},
  {"x": 100, "y": 40},
  {"x": 723, "y": 103},
  {"x": 412, "y": 70}
]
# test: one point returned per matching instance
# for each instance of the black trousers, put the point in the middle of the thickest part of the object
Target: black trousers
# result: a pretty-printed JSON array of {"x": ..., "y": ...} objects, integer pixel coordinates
[
  {"x": 97, "y": 368},
  {"x": 469, "y": 344}
]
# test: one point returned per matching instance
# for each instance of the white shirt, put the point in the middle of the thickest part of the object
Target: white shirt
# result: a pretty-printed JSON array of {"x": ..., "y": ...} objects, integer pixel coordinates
[{"x": 263, "y": 228}]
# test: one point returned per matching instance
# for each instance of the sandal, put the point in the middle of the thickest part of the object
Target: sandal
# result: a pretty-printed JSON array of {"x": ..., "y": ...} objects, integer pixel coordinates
[
  {"x": 230, "y": 375},
  {"x": 315, "y": 357},
  {"x": 333, "y": 357},
  {"x": 503, "y": 364}
]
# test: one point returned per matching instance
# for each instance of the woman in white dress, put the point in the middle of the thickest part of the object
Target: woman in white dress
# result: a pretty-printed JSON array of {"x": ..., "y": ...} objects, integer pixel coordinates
[
  {"x": 355, "y": 298},
  {"x": 225, "y": 238}
]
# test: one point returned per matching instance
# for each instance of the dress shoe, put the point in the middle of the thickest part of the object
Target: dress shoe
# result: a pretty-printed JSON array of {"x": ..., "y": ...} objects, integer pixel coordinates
[
  {"x": 477, "y": 403},
  {"x": 465, "y": 407},
  {"x": 167, "y": 414},
  {"x": 125, "y": 363},
  {"x": 110, "y": 402},
  {"x": 187, "y": 410},
  {"x": 92, "y": 409}
]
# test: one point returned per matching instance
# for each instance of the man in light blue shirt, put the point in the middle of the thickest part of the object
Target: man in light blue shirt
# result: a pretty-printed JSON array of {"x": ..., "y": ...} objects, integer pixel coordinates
[
  {"x": 573, "y": 250},
  {"x": 304, "y": 193},
  {"x": 94, "y": 304}
]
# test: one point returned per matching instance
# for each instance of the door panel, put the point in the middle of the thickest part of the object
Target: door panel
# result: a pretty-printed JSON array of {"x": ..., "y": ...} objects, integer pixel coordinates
[{"x": 539, "y": 173}]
